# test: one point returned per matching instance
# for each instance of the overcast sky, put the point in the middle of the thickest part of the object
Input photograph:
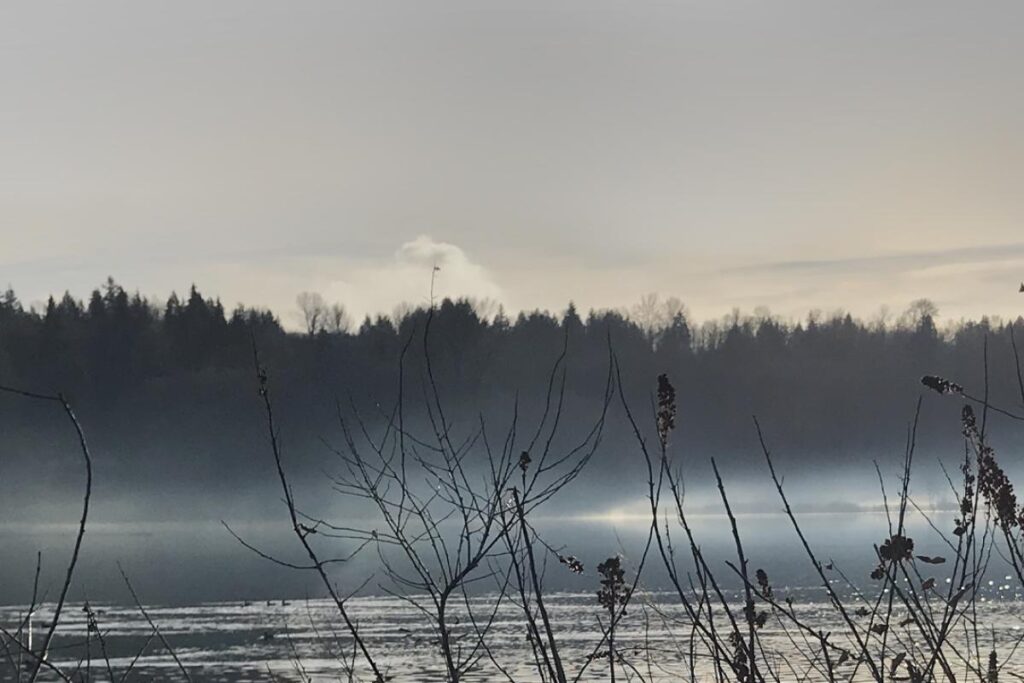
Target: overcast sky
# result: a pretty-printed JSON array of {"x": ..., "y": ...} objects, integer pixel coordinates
[{"x": 734, "y": 154}]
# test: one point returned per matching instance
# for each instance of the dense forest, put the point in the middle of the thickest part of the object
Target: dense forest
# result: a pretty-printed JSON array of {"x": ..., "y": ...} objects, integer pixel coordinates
[{"x": 168, "y": 388}]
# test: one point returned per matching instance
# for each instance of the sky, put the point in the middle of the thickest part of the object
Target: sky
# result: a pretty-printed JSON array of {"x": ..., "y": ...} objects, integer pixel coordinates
[{"x": 789, "y": 155}]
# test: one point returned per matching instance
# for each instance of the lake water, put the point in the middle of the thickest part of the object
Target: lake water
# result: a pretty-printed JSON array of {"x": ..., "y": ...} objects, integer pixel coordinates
[
  {"x": 300, "y": 640},
  {"x": 232, "y": 616}
]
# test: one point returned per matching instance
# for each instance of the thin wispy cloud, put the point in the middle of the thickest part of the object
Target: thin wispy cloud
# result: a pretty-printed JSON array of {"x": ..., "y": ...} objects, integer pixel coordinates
[{"x": 981, "y": 255}]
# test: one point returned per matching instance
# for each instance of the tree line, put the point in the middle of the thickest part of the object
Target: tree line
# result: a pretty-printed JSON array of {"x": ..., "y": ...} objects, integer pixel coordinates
[
  {"x": 116, "y": 337},
  {"x": 168, "y": 381}
]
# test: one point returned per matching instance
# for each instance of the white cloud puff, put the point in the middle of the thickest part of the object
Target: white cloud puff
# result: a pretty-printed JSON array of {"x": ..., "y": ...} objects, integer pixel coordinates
[{"x": 406, "y": 278}]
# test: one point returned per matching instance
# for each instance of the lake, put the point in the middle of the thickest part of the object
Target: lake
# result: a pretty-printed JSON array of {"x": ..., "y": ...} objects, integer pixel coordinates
[{"x": 232, "y": 616}]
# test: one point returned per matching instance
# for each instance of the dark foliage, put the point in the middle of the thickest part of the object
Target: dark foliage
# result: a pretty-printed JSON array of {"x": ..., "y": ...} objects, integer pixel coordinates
[{"x": 154, "y": 373}]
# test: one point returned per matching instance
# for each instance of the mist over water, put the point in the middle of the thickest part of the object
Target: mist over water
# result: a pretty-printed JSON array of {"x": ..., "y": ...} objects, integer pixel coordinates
[{"x": 193, "y": 562}]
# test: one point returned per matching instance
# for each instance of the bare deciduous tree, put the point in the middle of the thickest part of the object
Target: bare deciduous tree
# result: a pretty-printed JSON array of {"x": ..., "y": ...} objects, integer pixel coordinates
[{"x": 314, "y": 311}]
